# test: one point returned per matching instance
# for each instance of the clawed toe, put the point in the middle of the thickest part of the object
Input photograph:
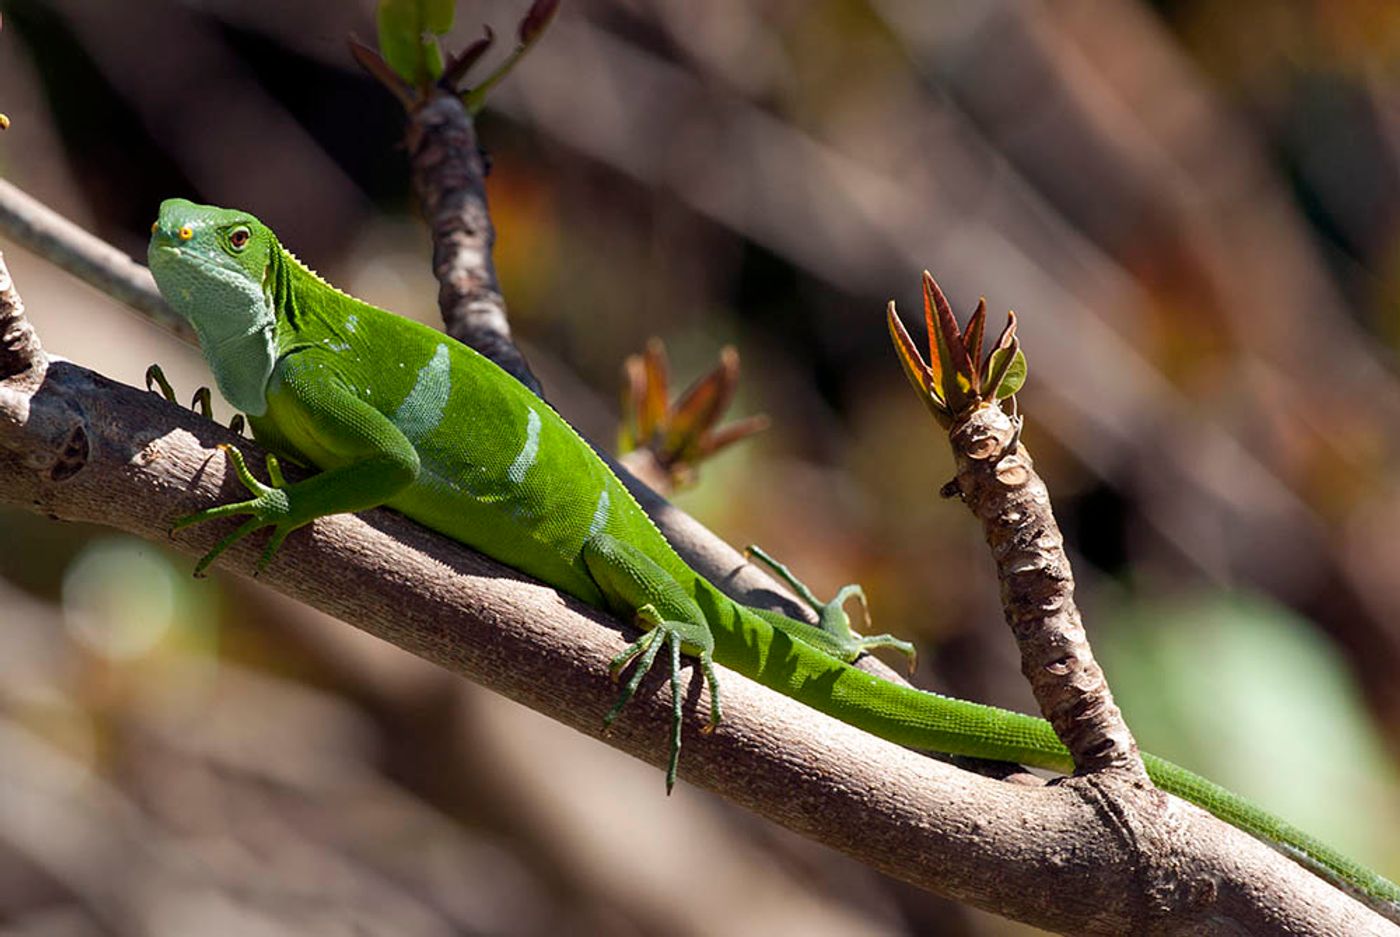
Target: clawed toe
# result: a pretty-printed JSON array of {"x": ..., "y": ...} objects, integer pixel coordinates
[{"x": 675, "y": 636}]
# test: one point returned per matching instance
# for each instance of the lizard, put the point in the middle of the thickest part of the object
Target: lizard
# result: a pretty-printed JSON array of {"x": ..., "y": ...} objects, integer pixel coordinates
[{"x": 395, "y": 413}]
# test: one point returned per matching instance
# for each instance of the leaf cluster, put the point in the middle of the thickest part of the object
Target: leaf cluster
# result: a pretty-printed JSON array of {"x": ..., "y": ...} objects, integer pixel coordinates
[
  {"x": 957, "y": 378},
  {"x": 410, "y": 60},
  {"x": 683, "y": 434}
]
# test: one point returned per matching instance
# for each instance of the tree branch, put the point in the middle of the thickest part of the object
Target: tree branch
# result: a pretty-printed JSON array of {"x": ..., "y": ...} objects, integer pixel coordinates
[
  {"x": 449, "y": 177},
  {"x": 89, "y": 258},
  {"x": 998, "y": 482},
  {"x": 19, "y": 345},
  {"x": 1056, "y": 856}
]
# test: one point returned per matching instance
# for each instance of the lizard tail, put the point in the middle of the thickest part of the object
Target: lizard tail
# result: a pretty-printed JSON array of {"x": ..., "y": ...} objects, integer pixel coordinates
[
  {"x": 923, "y": 720},
  {"x": 1259, "y": 823}
]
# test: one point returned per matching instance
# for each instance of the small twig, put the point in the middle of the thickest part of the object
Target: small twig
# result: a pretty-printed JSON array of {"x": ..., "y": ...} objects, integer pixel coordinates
[
  {"x": 448, "y": 172},
  {"x": 963, "y": 390},
  {"x": 89, "y": 258},
  {"x": 449, "y": 178}
]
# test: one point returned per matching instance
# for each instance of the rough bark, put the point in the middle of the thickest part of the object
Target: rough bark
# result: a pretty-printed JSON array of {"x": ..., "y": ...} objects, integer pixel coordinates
[
  {"x": 449, "y": 177},
  {"x": 1060, "y": 857},
  {"x": 997, "y": 480},
  {"x": 19, "y": 345}
]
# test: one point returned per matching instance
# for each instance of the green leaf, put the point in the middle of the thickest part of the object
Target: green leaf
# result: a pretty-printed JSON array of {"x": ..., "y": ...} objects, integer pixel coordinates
[
  {"x": 398, "y": 41},
  {"x": 432, "y": 58},
  {"x": 1006, "y": 358},
  {"x": 437, "y": 15},
  {"x": 407, "y": 37},
  {"x": 1014, "y": 374}
]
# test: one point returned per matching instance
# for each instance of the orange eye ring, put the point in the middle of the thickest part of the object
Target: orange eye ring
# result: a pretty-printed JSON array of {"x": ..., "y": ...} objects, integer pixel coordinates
[{"x": 185, "y": 233}]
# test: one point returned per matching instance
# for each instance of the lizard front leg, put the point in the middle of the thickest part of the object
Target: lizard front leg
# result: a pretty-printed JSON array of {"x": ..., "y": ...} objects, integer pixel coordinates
[{"x": 365, "y": 458}]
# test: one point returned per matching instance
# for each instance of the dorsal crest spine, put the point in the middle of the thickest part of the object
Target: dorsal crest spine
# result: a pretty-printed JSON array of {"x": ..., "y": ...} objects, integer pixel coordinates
[{"x": 305, "y": 268}]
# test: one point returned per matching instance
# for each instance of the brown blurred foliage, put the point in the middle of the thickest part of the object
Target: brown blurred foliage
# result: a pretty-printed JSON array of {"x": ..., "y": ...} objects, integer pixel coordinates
[{"x": 1193, "y": 207}]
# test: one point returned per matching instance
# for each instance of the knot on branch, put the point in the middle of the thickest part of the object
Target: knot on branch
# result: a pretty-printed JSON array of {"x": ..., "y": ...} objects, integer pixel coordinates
[{"x": 1153, "y": 834}]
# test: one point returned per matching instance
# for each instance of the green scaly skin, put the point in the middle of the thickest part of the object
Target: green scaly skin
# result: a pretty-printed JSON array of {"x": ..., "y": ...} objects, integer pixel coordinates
[{"x": 397, "y": 414}]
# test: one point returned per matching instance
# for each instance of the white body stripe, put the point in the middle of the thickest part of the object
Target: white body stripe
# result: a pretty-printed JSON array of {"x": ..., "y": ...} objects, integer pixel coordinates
[
  {"x": 422, "y": 410},
  {"x": 600, "y": 513},
  {"x": 528, "y": 452}
]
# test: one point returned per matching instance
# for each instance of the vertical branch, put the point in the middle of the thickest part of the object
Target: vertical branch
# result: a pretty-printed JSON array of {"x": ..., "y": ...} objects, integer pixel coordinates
[
  {"x": 449, "y": 178},
  {"x": 53, "y": 439},
  {"x": 996, "y": 479},
  {"x": 19, "y": 345}
]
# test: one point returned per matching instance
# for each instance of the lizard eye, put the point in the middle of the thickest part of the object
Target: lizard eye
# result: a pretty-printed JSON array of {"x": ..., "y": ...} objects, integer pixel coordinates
[{"x": 238, "y": 238}]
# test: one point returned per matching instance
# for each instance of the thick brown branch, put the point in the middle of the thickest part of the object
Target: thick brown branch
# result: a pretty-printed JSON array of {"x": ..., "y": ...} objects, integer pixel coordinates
[
  {"x": 449, "y": 177},
  {"x": 1044, "y": 855},
  {"x": 1047, "y": 855},
  {"x": 996, "y": 479}
]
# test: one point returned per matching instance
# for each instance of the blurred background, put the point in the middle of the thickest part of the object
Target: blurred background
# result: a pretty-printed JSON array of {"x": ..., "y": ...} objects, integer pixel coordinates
[{"x": 1193, "y": 207}]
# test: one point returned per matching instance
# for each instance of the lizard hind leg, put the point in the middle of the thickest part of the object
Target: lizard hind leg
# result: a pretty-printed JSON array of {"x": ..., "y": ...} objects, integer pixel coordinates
[
  {"x": 835, "y": 635},
  {"x": 633, "y": 583}
]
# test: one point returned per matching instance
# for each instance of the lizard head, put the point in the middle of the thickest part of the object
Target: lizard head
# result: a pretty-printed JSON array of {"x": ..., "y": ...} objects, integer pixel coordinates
[
  {"x": 212, "y": 264},
  {"x": 214, "y": 267}
]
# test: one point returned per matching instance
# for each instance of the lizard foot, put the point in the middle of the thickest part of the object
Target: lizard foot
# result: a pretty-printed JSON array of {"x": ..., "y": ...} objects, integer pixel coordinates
[
  {"x": 675, "y": 636},
  {"x": 269, "y": 508},
  {"x": 839, "y": 638},
  {"x": 155, "y": 377}
]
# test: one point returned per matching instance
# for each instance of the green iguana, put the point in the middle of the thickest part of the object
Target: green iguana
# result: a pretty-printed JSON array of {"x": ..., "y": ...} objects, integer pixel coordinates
[{"x": 394, "y": 413}]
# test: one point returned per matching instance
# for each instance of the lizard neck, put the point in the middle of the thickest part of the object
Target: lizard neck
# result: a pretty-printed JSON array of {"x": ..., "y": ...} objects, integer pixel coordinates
[
  {"x": 308, "y": 308},
  {"x": 242, "y": 366},
  {"x": 241, "y": 358}
]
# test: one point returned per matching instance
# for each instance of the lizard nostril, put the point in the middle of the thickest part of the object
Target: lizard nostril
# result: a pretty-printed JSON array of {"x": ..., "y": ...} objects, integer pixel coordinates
[{"x": 185, "y": 233}]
